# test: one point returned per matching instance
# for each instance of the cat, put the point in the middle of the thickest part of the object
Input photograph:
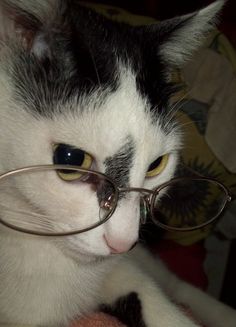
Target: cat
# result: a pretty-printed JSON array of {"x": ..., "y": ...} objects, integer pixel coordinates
[{"x": 74, "y": 82}]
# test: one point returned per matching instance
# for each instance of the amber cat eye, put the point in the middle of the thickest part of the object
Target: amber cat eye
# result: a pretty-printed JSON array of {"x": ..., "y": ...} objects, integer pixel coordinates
[{"x": 157, "y": 166}]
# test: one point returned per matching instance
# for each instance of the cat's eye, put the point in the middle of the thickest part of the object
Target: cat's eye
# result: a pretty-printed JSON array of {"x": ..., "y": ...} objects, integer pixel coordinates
[
  {"x": 68, "y": 155},
  {"x": 157, "y": 166}
]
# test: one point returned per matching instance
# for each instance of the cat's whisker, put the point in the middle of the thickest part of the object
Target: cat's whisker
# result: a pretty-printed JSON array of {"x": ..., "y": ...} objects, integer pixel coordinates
[
  {"x": 23, "y": 211},
  {"x": 95, "y": 67},
  {"x": 179, "y": 127},
  {"x": 170, "y": 119},
  {"x": 43, "y": 222},
  {"x": 193, "y": 122},
  {"x": 174, "y": 108},
  {"x": 191, "y": 147}
]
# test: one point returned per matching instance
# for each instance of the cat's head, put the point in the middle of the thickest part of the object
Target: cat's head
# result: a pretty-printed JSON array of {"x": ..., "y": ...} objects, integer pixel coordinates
[{"x": 71, "y": 79}]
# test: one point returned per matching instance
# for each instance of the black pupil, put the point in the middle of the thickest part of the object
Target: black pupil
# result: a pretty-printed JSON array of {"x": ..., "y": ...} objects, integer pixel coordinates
[
  {"x": 67, "y": 155},
  {"x": 155, "y": 164}
]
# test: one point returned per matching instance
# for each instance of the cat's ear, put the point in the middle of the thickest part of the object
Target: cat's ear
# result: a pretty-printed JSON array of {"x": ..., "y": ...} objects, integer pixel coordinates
[
  {"x": 179, "y": 37},
  {"x": 22, "y": 22}
]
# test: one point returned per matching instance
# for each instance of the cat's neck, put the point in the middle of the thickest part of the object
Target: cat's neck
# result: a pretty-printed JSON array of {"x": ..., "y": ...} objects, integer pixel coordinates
[
  {"x": 38, "y": 270},
  {"x": 40, "y": 254}
]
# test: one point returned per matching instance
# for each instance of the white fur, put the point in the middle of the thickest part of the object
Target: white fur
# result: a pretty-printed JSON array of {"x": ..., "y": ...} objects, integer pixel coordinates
[
  {"x": 48, "y": 281},
  {"x": 186, "y": 39},
  {"x": 101, "y": 137},
  {"x": 61, "y": 279},
  {"x": 206, "y": 309}
]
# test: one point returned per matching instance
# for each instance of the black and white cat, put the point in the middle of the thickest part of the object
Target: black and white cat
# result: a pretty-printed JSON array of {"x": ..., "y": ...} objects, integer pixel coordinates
[{"x": 71, "y": 79}]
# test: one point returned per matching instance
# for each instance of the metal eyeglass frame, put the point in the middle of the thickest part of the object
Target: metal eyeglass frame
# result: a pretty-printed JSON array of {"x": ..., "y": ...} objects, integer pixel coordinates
[{"x": 148, "y": 197}]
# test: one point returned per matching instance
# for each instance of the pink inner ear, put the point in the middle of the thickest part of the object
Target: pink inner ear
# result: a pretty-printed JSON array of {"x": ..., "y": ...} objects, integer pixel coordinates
[
  {"x": 25, "y": 36},
  {"x": 25, "y": 30},
  {"x": 15, "y": 23}
]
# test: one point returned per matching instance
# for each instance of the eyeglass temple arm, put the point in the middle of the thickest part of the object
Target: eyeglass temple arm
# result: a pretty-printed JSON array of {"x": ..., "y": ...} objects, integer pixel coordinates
[{"x": 135, "y": 189}]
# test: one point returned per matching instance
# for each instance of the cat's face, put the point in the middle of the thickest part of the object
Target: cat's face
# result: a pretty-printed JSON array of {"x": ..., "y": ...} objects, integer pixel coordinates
[
  {"x": 94, "y": 86},
  {"x": 122, "y": 138}
]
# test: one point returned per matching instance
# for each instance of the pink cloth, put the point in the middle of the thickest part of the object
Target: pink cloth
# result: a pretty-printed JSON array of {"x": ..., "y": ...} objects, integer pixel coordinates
[
  {"x": 101, "y": 319},
  {"x": 98, "y": 320}
]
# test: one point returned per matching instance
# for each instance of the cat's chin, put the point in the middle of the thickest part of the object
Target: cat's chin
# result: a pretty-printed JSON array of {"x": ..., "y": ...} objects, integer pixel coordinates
[
  {"x": 85, "y": 256},
  {"x": 82, "y": 254}
]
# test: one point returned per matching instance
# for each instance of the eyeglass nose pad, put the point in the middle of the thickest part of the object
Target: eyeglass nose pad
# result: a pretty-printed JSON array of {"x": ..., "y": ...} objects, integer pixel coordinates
[
  {"x": 106, "y": 203},
  {"x": 143, "y": 210}
]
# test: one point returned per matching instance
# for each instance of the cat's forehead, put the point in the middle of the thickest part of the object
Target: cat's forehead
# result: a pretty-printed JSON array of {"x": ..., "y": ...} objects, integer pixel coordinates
[
  {"x": 65, "y": 51},
  {"x": 98, "y": 84},
  {"x": 106, "y": 125},
  {"x": 87, "y": 57}
]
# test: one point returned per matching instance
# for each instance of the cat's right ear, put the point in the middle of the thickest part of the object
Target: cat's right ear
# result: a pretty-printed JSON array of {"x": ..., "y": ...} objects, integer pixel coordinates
[
  {"x": 179, "y": 37},
  {"x": 22, "y": 23}
]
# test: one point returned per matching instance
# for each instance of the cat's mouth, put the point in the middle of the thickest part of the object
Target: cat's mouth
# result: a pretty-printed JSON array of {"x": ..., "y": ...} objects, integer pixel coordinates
[
  {"x": 118, "y": 246},
  {"x": 79, "y": 248},
  {"x": 81, "y": 254}
]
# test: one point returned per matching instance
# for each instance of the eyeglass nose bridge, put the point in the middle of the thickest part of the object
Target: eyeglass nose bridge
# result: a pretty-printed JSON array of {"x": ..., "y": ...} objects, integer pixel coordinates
[
  {"x": 145, "y": 205},
  {"x": 145, "y": 200},
  {"x": 107, "y": 203}
]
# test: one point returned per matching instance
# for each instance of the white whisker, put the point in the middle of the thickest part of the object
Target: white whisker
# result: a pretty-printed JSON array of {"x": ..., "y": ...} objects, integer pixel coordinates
[
  {"x": 174, "y": 108},
  {"x": 95, "y": 67},
  {"x": 24, "y": 219}
]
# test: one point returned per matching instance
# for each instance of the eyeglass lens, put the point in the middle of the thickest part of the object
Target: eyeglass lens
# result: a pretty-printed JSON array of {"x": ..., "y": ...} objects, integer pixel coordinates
[
  {"x": 56, "y": 200},
  {"x": 69, "y": 199},
  {"x": 188, "y": 203}
]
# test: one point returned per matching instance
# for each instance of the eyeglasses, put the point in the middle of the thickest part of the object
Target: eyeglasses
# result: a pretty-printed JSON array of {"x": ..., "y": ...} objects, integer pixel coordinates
[{"x": 61, "y": 200}]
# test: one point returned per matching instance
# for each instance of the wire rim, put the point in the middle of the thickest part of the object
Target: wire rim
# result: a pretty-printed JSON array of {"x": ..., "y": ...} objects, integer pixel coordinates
[{"x": 150, "y": 193}]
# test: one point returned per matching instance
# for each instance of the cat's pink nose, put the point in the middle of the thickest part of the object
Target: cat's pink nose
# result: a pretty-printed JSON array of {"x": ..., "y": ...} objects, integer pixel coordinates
[{"x": 117, "y": 245}]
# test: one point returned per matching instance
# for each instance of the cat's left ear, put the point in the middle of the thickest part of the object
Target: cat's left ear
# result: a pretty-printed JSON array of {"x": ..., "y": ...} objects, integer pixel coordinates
[
  {"x": 179, "y": 37},
  {"x": 24, "y": 23}
]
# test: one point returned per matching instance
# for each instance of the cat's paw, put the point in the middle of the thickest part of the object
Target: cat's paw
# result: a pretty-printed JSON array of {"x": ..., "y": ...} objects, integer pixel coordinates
[
  {"x": 127, "y": 309},
  {"x": 169, "y": 316}
]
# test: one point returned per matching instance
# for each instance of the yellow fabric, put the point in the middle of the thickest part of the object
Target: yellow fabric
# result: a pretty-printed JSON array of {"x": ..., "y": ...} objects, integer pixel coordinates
[{"x": 197, "y": 152}]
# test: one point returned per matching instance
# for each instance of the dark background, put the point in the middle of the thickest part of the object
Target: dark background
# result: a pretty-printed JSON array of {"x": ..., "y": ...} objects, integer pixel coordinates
[{"x": 162, "y": 9}]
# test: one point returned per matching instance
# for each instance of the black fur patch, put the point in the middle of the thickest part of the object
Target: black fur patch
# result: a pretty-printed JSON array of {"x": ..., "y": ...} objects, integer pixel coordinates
[
  {"x": 118, "y": 166},
  {"x": 128, "y": 310},
  {"x": 85, "y": 49}
]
